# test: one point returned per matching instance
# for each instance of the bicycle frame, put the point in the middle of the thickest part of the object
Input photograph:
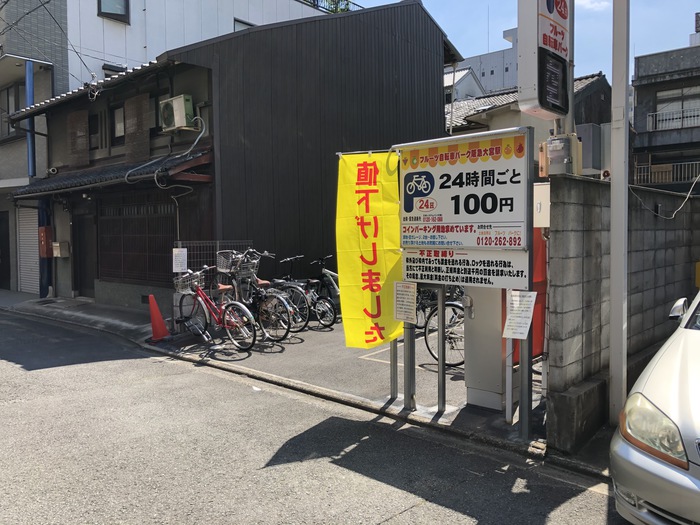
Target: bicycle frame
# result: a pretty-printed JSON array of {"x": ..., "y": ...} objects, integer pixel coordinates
[
  {"x": 217, "y": 311},
  {"x": 331, "y": 280}
]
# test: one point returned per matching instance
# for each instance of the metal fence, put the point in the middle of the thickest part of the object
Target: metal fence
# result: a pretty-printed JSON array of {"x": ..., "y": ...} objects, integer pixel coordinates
[
  {"x": 676, "y": 173},
  {"x": 676, "y": 119},
  {"x": 203, "y": 253},
  {"x": 334, "y": 6}
]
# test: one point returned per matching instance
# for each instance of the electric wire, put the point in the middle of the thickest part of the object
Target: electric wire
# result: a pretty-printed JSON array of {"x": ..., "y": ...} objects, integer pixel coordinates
[
  {"x": 94, "y": 90},
  {"x": 59, "y": 45},
  {"x": 8, "y": 27},
  {"x": 20, "y": 31},
  {"x": 68, "y": 40},
  {"x": 673, "y": 215}
]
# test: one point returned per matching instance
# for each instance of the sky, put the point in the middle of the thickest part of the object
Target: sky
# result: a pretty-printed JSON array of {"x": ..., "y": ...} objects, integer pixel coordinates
[{"x": 476, "y": 26}]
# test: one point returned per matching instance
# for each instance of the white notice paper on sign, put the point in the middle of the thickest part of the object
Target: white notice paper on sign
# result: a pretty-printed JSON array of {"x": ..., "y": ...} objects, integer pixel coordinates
[
  {"x": 405, "y": 301},
  {"x": 179, "y": 260},
  {"x": 520, "y": 307}
]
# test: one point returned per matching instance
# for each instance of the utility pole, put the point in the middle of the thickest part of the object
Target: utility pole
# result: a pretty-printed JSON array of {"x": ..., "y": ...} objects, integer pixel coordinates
[{"x": 618, "y": 210}]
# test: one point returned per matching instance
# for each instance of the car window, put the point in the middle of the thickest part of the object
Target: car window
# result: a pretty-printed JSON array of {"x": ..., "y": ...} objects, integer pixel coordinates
[{"x": 694, "y": 320}]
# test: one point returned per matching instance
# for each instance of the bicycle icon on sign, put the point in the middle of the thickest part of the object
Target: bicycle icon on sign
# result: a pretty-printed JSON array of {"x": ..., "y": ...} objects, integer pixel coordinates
[
  {"x": 417, "y": 185},
  {"x": 420, "y": 183}
]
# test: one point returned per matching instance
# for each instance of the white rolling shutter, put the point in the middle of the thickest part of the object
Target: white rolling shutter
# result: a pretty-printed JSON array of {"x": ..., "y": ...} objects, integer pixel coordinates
[{"x": 28, "y": 250}]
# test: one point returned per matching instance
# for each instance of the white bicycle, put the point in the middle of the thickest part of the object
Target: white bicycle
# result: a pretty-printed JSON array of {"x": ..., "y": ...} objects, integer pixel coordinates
[{"x": 328, "y": 286}]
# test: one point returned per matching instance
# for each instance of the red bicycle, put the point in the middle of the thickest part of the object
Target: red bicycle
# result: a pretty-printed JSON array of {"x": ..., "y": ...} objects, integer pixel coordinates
[{"x": 198, "y": 311}]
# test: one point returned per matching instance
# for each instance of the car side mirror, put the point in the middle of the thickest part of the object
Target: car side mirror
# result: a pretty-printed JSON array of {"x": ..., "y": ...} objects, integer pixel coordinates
[{"x": 678, "y": 310}]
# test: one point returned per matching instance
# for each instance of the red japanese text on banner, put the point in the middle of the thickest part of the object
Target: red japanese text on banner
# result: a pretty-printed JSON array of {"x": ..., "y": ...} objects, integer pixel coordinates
[{"x": 368, "y": 243}]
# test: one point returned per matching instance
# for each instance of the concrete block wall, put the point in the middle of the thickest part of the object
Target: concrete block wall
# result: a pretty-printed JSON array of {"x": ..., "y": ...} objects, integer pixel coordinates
[{"x": 661, "y": 252}]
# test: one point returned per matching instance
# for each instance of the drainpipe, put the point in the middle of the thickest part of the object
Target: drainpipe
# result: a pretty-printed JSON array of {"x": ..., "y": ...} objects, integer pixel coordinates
[
  {"x": 44, "y": 212},
  {"x": 31, "y": 140}
]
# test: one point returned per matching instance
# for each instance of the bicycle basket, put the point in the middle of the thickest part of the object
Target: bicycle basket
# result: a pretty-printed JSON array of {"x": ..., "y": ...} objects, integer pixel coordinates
[
  {"x": 228, "y": 260},
  {"x": 185, "y": 283},
  {"x": 247, "y": 269}
]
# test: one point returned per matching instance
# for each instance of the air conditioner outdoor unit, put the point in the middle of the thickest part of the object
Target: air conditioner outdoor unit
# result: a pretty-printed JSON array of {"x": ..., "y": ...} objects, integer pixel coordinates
[{"x": 176, "y": 113}]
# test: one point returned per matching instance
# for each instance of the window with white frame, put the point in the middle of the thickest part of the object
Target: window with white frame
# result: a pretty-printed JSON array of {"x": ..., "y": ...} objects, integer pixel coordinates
[
  {"x": 114, "y": 9},
  {"x": 678, "y": 108},
  {"x": 117, "y": 120}
]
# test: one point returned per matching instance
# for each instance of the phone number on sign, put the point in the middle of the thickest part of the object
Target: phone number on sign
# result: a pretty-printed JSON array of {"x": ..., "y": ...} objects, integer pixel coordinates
[{"x": 483, "y": 240}]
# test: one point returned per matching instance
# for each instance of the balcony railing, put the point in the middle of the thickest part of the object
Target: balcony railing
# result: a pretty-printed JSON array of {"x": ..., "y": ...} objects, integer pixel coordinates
[
  {"x": 333, "y": 6},
  {"x": 677, "y": 119},
  {"x": 678, "y": 173}
]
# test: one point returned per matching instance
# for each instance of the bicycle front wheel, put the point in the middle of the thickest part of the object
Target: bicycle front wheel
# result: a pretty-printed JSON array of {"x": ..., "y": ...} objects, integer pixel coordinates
[
  {"x": 325, "y": 312},
  {"x": 239, "y": 325},
  {"x": 194, "y": 313},
  {"x": 454, "y": 334},
  {"x": 301, "y": 309},
  {"x": 274, "y": 315}
]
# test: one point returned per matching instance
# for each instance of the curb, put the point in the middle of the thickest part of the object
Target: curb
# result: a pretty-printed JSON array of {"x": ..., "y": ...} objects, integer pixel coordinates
[{"x": 532, "y": 449}]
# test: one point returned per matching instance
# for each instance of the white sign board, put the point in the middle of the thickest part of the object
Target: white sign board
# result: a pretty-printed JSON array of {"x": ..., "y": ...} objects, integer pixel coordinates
[
  {"x": 553, "y": 26},
  {"x": 520, "y": 308},
  {"x": 470, "y": 194},
  {"x": 465, "y": 205},
  {"x": 491, "y": 269},
  {"x": 179, "y": 260},
  {"x": 405, "y": 301}
]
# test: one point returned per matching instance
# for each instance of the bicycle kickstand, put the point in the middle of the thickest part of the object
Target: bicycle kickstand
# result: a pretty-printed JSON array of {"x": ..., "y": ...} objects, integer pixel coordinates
[{"x": 195, "y": 329}]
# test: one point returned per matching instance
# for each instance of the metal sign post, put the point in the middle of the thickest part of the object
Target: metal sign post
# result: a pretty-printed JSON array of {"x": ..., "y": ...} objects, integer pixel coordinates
[
  {"x": 409, "y": 367},
  {"x": 394, "y": 369},
  {"x": 441, "y": 347},
  {"x": 466, "y": 219}
]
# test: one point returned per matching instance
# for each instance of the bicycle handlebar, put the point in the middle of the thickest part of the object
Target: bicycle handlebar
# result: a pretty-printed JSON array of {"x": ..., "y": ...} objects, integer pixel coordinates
[
  {"x": 200, "y": 272},
  {"x": 321, "y": 260},
  {"x": 259, "y": 254},
  {"x": 293, "y": 258}
]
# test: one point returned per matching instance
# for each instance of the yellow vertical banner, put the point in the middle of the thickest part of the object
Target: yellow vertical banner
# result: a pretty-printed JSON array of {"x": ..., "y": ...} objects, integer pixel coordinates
[{"x": 368, "y": 242}]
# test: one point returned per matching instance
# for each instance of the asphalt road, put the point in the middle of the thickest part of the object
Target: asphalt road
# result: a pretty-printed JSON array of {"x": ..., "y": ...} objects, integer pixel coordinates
[{"x": 97, "y": 430}]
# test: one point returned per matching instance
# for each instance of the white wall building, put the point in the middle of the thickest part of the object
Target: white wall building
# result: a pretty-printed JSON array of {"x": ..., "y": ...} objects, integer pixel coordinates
[
  {"x": 128, "y": 33},
  {"x": 499, "y": 69}
]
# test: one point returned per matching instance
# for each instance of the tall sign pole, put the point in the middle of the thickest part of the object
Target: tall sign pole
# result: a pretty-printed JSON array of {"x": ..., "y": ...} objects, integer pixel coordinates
[
  {"x": 545, "y": 55},
  {"x": 546, "y": 91},
  {"x": 618, "y": 210}
]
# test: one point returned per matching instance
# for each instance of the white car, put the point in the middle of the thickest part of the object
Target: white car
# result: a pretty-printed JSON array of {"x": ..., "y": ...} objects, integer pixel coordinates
[{"x": 655, "y": 452}]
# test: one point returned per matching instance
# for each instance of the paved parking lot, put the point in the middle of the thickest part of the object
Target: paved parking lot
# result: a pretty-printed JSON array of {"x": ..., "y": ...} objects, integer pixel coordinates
[{"x": 319, "y": 357}]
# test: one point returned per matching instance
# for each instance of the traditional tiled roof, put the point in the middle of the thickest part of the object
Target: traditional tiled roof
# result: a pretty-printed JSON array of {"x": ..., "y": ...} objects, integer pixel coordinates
[
  {"x": 102, "y": 176},
  {"x": 88, "y": 89},
  {"x": 463, "y": 109}
]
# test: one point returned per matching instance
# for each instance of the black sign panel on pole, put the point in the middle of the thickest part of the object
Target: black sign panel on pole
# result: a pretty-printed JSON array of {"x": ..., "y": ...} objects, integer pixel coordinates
[{"x": 552, "y": 82}]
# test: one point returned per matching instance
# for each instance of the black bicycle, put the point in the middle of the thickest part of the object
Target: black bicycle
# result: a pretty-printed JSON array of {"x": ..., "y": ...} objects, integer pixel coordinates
[
  {"x": 322, "y": 307},
  {"x": 270, "y": 308}
]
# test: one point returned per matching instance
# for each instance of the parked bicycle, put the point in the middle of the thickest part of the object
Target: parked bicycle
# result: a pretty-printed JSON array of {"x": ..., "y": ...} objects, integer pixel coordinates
[
  {"x": 426, "y": 299},
  {"x": 454, "y": 333},
  {"x": 228, "y": 262},
  {"x": 322, "y": 307},
  {"x": 328, "y": 286},
  {"x": 197, "y": 311},
  {"x": 271, "y": 310}
]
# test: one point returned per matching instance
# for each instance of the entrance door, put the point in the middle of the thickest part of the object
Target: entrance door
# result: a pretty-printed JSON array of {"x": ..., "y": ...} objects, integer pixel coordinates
[
  {"x": 5, "y": 250},
  {"x": 85, "y": 253}
]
